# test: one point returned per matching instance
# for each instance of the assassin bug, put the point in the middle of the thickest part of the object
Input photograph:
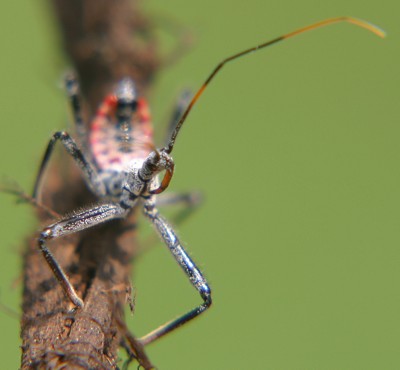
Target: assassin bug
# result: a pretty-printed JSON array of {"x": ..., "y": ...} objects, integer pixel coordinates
[{"x": 121, "y": 167}]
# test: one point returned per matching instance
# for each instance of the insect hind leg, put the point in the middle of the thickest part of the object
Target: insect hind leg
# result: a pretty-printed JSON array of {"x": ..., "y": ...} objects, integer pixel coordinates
[{"x": 180, "y": 106}]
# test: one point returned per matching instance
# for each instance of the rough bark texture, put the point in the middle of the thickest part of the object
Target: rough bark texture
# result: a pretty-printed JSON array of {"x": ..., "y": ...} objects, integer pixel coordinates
[{"x": 105, "y": 41}]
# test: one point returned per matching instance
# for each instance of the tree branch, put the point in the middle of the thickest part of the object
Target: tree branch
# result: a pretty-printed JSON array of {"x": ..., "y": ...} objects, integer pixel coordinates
[{"x": 105, "y": 40}]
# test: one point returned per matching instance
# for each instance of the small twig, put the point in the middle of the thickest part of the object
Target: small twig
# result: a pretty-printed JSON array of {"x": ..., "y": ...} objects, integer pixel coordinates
[
  {"x": 15, "y": 189},
  {"x": 9, "y": 311}
]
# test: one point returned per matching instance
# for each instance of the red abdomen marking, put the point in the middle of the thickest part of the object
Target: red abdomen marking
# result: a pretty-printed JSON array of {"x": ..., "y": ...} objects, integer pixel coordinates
[{"x": 109, "y": 151}]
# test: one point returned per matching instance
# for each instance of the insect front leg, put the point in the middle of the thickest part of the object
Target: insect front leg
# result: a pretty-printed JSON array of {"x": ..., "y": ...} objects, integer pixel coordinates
[
  {"x": 79, "y": 221},
  {"x": 88, "y": 169},
  {"x": 188, "y": 266},
  {"x": 187, "y": 202}
]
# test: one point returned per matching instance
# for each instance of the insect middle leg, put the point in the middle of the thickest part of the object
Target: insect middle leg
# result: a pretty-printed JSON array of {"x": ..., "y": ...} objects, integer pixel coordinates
[
  {"x": 188, "y": 266},
  {"x": 88, "y": 169},
  {"x": 190, "y": 201}
]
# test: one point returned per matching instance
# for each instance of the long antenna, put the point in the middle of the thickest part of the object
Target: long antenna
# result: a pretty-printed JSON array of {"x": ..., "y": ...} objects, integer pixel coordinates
[{"x": 360, "y": 23}]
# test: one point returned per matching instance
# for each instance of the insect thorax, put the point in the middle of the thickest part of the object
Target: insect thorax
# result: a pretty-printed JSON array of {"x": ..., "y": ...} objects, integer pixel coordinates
[{"x": 129, "y": 179}]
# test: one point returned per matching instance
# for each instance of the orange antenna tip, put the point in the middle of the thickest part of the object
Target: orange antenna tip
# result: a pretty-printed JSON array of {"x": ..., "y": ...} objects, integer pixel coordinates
[
  {"x": 368, "y": 26},
  {"x": 358, "y": 22}
]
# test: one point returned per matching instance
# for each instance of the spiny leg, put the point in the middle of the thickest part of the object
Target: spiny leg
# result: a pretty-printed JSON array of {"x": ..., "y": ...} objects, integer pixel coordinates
[
  {"x": 190, "y": 201},
  {"x": 89, "y": 171},
  {"x": 188, "y": 266},
  {"x": 77, "y": 222}
]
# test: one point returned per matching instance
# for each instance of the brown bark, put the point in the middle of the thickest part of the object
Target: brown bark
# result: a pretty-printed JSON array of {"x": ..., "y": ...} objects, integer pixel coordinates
[{"x": 105, "y": 41}]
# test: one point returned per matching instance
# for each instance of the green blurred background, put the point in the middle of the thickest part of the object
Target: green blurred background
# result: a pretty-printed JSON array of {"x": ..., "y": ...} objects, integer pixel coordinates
[{"x": 296, "y": 150}]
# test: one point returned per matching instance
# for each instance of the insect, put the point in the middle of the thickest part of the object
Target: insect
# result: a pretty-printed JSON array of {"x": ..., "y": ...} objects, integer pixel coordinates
[{"x": 121, "y": 166}]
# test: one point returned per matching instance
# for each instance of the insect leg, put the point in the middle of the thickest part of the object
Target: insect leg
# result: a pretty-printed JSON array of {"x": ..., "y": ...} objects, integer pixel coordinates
[
  {"x": 188, "y": 266},
  {"x": 79, "y": 221},
  {"x": 182, "y": 35},
  {"x": 180, "y": 106},
  {"x": 88, "y": 169},
  {"x": 189, "y": 200},
  {"x": 73, "y": 91}
]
